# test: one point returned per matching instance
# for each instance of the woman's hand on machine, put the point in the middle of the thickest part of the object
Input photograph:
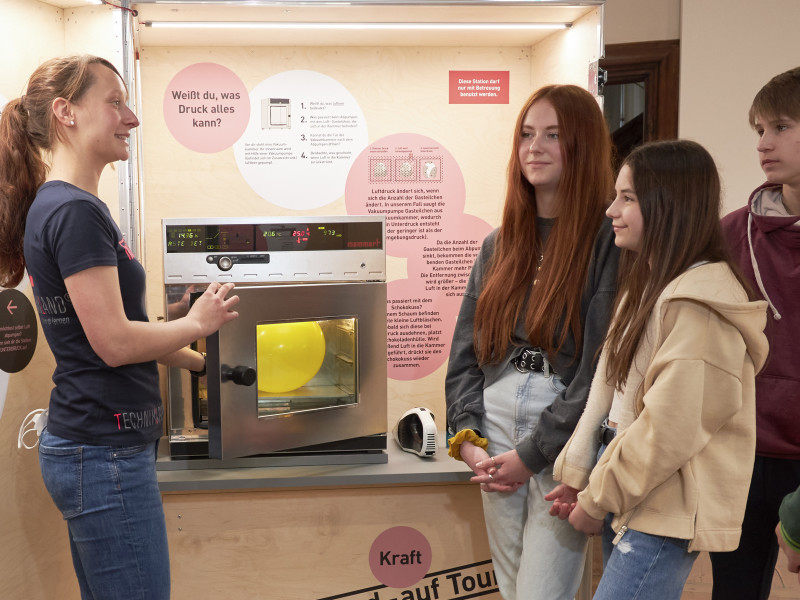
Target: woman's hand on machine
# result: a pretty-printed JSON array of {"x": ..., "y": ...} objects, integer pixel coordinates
[
  {"x": 214, "y": 308},
  {"x": 502, "y": 473}
]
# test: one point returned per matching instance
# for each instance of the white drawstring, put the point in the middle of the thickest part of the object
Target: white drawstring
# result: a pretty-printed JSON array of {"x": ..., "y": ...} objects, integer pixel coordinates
[
  {"x": 776, "y": 315},
  {"x": 36, "y": 420}
]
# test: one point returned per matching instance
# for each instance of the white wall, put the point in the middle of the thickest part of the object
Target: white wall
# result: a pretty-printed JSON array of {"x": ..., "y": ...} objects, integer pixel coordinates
[
  {"x": 32, "y": 32},
  {"x": 729, "y": 49},
  {"x": 641, "y": 20}
]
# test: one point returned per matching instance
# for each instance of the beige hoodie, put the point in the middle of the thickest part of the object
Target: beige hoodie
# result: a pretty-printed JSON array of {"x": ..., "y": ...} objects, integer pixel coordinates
[{"x": 681, "y": 462}]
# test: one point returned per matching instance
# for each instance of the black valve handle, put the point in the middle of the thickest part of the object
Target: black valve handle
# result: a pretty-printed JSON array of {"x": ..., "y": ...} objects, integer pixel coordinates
[{"x": 240, "y": 375}]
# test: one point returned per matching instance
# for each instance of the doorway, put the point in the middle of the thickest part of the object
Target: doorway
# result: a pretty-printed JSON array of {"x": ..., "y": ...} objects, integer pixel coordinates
[{"x": 641, "y": 93}]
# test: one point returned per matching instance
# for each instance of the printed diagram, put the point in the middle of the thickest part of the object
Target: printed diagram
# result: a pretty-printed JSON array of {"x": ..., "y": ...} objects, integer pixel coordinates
[
  {"x": 430, "y": 170},
  {"x": 379, "y": 170},
  {"x": 383, "y": 169},
  {"x": 405, "y": 170},
  {"x": 276, "y": 113}
]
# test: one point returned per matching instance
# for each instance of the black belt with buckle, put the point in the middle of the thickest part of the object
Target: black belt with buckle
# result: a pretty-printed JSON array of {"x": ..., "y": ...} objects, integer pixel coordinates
[
  {"x": 606, "y": 433},
  {"x": 532, "y": 359}
]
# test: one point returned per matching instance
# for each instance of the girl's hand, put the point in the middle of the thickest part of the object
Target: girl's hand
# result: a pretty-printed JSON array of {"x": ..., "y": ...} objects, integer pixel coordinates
[
  {"x": 502, "y": 473},
  {"x": 472, "y": 455},
  {"x": 582, "y": 522},
  {"x": 564, "y": 500}
]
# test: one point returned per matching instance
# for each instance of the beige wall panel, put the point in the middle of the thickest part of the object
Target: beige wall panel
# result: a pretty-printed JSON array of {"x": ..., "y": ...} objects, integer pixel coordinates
[
  {"x": 312, "y": 543},
  {"x": 564, "y": 57},
  {"x": 30, "y": 32},
  {"x": 642, "y": 20},
  {"x": 94, "y": 29}
]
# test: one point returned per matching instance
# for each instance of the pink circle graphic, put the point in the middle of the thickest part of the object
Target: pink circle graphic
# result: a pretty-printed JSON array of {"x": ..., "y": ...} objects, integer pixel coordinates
[
  {"x": 206, "y": 107},
  {"x": 400, "y": 557},
  {"x": 417, "y": 184}
]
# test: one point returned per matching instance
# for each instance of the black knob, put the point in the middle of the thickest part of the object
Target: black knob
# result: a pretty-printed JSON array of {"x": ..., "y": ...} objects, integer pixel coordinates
[{"x": 240, "y": 375}]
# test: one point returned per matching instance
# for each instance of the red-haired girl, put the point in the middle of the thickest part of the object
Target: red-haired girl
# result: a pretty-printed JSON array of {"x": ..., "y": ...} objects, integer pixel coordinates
[{"x": 533, "y": 316}]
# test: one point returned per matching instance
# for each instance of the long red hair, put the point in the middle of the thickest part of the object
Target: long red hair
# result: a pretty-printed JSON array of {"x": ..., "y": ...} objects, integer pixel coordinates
[{"x": 584, "y": 190}]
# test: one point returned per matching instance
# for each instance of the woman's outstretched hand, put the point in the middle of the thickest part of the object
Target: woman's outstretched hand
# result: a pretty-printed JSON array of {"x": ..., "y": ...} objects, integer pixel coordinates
[{"x": 564, "y": 499}]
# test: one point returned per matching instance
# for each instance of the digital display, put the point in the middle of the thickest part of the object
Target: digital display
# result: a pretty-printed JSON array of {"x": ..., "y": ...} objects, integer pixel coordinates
[
  {"x": 272, "y": 237},
  {"x": 186, "y": 239}
]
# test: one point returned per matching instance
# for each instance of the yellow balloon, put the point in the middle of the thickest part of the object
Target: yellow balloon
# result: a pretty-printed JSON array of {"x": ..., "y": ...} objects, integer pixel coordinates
[{"x": 289, "y": 355}]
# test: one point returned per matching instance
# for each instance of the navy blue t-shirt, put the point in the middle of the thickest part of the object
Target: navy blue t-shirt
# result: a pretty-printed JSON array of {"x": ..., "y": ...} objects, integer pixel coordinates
[{"x": 67, "y": 231}]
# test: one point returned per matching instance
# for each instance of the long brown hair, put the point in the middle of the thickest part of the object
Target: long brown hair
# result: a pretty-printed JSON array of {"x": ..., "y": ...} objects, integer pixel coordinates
[
  {"x": 27, "y": 131},
  {"x": 583, "y": 193},
  {"x": 679, "y": 194}
]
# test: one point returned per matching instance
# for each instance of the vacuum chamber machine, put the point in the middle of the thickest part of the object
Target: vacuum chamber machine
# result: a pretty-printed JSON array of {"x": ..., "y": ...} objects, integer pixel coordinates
[{"x": 300, "y": 376}]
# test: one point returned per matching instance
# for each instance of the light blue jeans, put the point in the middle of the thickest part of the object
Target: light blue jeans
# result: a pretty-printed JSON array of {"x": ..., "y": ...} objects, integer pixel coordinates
[
  {"x": 110, "y": 499},
  {"x": 535, "y": 556},
  {"x": 643, "y": 566}
]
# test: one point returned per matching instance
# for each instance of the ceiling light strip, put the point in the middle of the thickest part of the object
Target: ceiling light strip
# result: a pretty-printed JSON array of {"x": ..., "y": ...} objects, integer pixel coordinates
[{"x": 354, "y": 26}]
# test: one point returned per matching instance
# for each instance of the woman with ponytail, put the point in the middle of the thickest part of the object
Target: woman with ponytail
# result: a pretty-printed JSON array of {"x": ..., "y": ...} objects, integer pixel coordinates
[{"x": 97, "y": 452}]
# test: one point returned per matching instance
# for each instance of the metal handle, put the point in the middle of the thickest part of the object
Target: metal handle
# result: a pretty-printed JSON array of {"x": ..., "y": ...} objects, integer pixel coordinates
[{"x": 240, "y": 375}]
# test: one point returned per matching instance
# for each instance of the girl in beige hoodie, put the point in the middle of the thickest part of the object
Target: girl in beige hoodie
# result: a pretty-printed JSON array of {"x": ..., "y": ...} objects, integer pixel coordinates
[{"x": 671, "y": 411}]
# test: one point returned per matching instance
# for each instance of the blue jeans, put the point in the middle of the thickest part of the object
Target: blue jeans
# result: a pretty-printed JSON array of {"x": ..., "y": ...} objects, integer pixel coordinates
[
  {"x": 642, "y": 566},
  {"x": 110, "y": 499},
  {"x": 535, "y": 556}
]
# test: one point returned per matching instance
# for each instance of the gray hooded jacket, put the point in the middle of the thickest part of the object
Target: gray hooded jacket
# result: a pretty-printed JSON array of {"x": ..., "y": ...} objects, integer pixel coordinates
[{"x": 466, "y": 380}]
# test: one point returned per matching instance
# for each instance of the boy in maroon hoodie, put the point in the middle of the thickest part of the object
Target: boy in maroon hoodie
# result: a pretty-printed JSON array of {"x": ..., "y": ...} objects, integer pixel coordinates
[{"x": 764, "y": 237}]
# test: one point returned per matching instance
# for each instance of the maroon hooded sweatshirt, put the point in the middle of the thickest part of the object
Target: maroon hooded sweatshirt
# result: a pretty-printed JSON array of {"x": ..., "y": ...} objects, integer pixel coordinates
[{"x": 765, "y": 242}]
